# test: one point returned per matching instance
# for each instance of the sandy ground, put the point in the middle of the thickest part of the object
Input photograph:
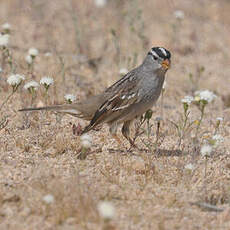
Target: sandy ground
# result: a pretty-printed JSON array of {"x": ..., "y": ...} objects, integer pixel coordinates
[{"x": 83, "y": 47}]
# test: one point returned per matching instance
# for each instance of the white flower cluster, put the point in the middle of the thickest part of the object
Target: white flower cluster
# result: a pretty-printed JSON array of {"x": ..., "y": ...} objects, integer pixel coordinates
[
  {"x": 217, "y": 139},
  {"x": 33, "y": 52},
  {"x": 6, "y": 27},
  {"x": 206, "y": 150},
  {"x": 219, "y": 118},
  {"x": 123, "y": 71},
  {"x": 4, "y": 40},
  {"x": 213, "y": 142},
  {"x": 205, "y": 95},
  {"x": 15, "y": 79},
  {"x": 179, "y": 14},
  {"x": 31, "y": 85},
  {"x": 86, "y": 141},
  {"x": 29, "y": 59},
  {"x": 189, "y": 167},
  {"x": 187, "y": 100},
  {"x": 70, "y": 98},
  {"x": 100, "y": 3},
  {"x": 106, "y": 210},
  {"x": 48, "y": 199},
  {"x": 47, "y": 81}
]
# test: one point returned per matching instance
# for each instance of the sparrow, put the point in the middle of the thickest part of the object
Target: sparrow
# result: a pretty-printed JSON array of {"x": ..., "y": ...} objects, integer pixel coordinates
[{"x": 125, "y": 100}]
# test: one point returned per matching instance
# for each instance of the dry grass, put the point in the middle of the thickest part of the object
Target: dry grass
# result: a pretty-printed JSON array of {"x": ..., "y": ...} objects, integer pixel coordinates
[{"x": 150, "y": 188}]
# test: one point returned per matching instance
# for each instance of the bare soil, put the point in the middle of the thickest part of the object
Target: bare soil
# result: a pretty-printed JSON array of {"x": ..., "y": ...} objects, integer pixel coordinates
[{"x": 83, "y": 47}]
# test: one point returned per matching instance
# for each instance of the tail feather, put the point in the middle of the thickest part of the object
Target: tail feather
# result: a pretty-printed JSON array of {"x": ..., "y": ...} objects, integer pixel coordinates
[
  {"x": 87, "y": 128},
  {"x": 85, "y": 109},
  {"x": 69, "y": 109}
]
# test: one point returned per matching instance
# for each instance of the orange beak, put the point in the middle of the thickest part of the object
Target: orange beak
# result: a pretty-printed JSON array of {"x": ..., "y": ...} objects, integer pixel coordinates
[{"x": 165, "y": 64}]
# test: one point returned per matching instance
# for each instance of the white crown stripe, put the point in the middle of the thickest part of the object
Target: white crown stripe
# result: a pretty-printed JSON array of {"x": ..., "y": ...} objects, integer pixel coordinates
[
  {"x": 154, "y": 53},
  {"x": 163, "y": 51}
]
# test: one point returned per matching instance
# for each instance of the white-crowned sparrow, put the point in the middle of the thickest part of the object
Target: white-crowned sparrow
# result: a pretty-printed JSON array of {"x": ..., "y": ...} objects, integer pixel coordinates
[{"x": 125, "y": 100}]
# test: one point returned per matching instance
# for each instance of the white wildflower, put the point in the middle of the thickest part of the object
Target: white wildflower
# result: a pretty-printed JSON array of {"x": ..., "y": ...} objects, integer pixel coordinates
[
  {"x": 205, "y": 95},
  {"x": 4, "y": 39},
  {"x": 197, "y": 98},
  {"x": 217, "y": 139},
  {"x": 31, "y": 85},
  {"x": 86, "y": 141},
  {"x": 189, "y": 166},
  {"x": 6, "y": 27},
  {"x": 47, "y": 81},
  {"x": 15, "y": 79},
  {"x": 29, "y": 59},
  {"x": 106, "y": 210},
  {"x": 123, "y": 71},
  {"x": 100, "y": 3},
  {"x": 187, "y": 100},
  {"x": 70, "y": 98},
  {"x": 33, "y": 52},
  {"x": 48, "y": 54},
  {"x": 86, "y": 144},
  {"x": 206, "y": 150},
  {"x": 219, "y": 118},
  {"x": 86, "y": 137},
  {"x": 179, "y": 14},
  {"x": 49, "y": 198}
]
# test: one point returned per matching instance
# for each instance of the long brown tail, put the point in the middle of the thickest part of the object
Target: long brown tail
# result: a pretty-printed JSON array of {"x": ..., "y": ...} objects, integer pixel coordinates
[
  {"x": 85, "y": 109},
  {"x": 69, "y": 109}
]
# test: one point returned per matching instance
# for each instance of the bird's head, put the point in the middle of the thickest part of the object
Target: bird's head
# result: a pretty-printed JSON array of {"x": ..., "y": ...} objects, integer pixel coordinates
[{"x": 159, "y": 58}]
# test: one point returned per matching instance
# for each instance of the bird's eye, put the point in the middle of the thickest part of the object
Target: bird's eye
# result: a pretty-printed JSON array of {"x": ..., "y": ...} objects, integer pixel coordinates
[{"x": 155, "y": 57}]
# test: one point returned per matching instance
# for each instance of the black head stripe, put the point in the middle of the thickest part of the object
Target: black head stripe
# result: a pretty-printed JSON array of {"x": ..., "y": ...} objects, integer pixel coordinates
[
  {"x": 161, "y": 52},
  {"x": 153, "y": 53}
]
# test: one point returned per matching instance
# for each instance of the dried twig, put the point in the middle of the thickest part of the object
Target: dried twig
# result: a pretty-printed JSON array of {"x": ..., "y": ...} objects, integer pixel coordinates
[{"x": 207, "y": 206}]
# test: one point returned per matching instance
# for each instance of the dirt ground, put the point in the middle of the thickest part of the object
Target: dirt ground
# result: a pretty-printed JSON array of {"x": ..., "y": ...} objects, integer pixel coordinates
[{"x": 161, "y": 185}]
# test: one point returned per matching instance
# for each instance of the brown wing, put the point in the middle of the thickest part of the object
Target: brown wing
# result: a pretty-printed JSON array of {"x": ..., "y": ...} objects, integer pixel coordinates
[{"x": 125, "y": 95}]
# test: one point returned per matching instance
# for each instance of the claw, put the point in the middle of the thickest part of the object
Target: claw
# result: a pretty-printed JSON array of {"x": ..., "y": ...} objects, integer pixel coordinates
[{"x": 132, "y": 144}]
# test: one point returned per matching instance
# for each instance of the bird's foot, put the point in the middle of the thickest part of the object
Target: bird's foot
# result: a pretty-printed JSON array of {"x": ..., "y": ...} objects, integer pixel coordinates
[{"x": 132, "y": 144}]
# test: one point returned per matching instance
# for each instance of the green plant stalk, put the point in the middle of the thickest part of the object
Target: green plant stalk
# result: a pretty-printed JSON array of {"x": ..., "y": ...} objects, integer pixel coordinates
[
  {"x": 33, "y": 94},
  {"x": 116, "y": 45},
  {"x": 217, "y": 127},
  {"x": 186, "y": 114},
  {"x": 15, "y": 87},
  {"x": 76, "y": 28},
  {"x": 148, "y": 116},
  {"x": 7, "y": 99},
  {"x": 46, "y": 97},
  {"x": 148, "y": 129},
  {"x": 62, "y": 63},
  {"x": 162, "y": 103},
  {"x": 10, "y": 61},
  {"x": 158, "y": 132},
  {"x": 83, "y": 154},
  {"x": 201, "y": 117},
  {"x": 31, "y": 67},
  {"x": 205, "y": 177},
  {"x": 4, "y": 56},
  {"x": 46, "y": 93}
]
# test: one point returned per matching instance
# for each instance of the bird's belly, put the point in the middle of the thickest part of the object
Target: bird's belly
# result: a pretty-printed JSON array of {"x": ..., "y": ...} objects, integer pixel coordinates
[{"x": 136, "y": 111}]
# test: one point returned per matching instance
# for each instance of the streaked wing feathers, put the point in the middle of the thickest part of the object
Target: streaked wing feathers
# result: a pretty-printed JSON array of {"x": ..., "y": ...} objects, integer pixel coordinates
[{"x": 126, "y": 96}]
